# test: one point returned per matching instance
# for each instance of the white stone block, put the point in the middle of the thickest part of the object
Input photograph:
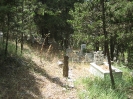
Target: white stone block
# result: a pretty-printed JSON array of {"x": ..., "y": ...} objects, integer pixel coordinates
[{"x": 99, "y": 72}]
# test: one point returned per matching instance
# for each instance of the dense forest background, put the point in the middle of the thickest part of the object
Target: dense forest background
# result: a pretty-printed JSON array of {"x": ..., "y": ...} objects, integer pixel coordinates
[{"x": 70, "y": 23}]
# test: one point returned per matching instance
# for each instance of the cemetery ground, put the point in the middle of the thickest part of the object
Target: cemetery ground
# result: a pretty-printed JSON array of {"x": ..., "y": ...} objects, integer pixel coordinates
[{"x": 38, "y": 76}]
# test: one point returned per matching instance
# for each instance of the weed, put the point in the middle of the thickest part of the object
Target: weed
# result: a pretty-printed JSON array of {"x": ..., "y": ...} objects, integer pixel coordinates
[{"x": 97, "y": 88}]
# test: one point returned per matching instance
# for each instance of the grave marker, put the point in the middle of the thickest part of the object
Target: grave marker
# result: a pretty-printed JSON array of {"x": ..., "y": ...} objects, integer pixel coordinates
[
  {"x": 101, "y": 69},
  {"x": 83, "y": 46},
  {"x": 98, "y": 57}
]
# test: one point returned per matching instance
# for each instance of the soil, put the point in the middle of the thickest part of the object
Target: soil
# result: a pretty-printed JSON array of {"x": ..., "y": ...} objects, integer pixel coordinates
[
  {"x": 49, "y": 77},
  {"x": 38, "y": 76}
]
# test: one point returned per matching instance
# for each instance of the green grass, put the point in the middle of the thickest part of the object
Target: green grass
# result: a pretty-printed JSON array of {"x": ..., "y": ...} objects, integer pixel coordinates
[
  {"x": 11, "y": 49},
  {"x": 96, "y": 88}
]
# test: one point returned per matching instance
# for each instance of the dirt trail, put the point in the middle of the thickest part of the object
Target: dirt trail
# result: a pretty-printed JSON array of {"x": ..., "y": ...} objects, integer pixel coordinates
[{"x": 52, "y": 84}]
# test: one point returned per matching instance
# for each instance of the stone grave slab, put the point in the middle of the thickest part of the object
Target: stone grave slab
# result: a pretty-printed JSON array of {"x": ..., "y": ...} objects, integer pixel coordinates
[{"x": 96, "y": 70}]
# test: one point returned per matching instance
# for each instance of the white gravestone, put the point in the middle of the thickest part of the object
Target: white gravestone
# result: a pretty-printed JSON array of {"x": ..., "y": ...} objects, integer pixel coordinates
[{"x": 98, "y": 57}]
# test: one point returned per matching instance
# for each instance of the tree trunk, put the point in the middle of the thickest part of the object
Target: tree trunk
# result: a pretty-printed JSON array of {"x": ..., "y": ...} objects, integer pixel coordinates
[
  {"x": 3, "y": 42},
  {"x": 105, "y": 49},
  {"x": 65, "y": 67},
  {"x": 22, "y": 42},
  {"x": 106, "y": 44},
  {"x": 112, "y": 48},
  {"x": 65, "y": 43},
  {"x": 42, "y": 32},
  {"x": 97, "y": 46},
  {"x": 22, "y": 28},
  {"x": 7, "y": 35},
  {"x": 16, "y": 43}
]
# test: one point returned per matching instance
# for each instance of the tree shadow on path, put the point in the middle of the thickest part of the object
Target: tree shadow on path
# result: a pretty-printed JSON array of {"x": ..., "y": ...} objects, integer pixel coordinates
[
  {"x": 16, "y": 80},
  {"x": 52, "y": 79}
]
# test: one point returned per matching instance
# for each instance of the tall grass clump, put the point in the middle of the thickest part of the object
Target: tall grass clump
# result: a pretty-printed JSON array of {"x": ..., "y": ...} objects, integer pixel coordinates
[{"x": 96, "y": 88}]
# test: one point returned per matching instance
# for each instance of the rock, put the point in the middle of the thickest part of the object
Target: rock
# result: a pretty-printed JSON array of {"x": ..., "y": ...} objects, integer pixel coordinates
[
  {"x": 60, "y": 63},
  {"x": 71, "y": 85},
  {"x": 64, "y": 89}
]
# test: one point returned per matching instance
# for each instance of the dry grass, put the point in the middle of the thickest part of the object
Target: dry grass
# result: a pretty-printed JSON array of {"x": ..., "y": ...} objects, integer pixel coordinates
[
  {"x": 37, "y": 76},
  {"x": 104, "y": 67}
]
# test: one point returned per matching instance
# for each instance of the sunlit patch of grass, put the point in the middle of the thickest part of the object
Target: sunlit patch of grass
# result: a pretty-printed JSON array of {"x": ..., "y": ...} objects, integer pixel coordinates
[{"x": 96, "y": 88}]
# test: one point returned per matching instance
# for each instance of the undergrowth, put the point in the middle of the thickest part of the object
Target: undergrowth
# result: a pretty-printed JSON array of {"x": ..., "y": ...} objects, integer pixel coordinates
[
  {"x": 16, "y": 80},
  {"x": 96, "y": 88}
]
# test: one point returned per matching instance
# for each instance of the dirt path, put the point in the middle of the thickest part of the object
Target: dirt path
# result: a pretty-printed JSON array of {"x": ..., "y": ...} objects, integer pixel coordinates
[{"x": 52, "y": 84}]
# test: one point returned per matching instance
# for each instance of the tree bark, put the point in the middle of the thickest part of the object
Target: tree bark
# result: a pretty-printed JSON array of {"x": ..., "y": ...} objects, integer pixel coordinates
[
  {"x": 22, "y": 28},
  {"x": 17, "y": 33},
  {"x": 65, "y": 67},
  {"x": 7, "y": 35},
  {"x": 97, "y": 46},
  {"x": 105, "y": 49},
  {"x": 106, "y": 44},
  {"x": 112, "y": 48},
  {"x": 16, "y": 43}
]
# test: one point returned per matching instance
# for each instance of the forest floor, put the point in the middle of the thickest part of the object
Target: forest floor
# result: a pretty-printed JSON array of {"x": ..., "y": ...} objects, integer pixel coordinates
[
  {"x": 38, "y": 76},
  {"x": 52, "y": 83},
  {"x": 35, "y": 79}
]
